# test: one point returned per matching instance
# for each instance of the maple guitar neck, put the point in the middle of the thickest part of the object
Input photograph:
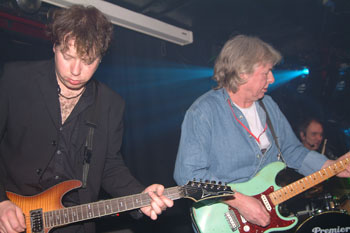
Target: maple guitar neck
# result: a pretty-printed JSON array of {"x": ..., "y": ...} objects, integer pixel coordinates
[
  {"x": 106, "y": 207},
  {"x": 307, "y": 182}
]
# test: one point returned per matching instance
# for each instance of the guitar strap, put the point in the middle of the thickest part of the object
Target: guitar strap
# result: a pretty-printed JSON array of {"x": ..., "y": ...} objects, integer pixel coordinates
[
  {"x": 91, "y": 122},
  {"x": 268, "y": 120}
]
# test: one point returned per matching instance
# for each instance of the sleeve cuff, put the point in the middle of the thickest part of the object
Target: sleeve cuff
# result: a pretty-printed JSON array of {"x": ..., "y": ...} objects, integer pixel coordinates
[{"x": 312, "y": 163}]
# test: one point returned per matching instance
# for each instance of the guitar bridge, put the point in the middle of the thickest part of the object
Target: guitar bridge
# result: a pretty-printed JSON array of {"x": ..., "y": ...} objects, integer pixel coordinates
[
  {"x": 36, "y": 221},
  {"x": 232, "y": 220}
]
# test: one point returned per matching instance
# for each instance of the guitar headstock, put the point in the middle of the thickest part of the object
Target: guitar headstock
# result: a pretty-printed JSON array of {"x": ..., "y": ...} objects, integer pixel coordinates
[{"x": 199, "y": 191}]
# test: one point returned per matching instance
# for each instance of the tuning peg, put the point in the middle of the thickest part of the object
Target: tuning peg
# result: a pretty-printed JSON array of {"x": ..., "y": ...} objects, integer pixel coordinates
[
  {"x": 219, "y": 186},
  {"x": 225, "y": 187},
  {"x": 213, "y": 182}
]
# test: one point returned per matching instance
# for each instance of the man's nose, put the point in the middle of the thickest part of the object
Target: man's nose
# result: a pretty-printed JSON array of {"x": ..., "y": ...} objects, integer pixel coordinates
[
  {"x": 76, "y": 68},
  {"x": 271, "y": 78}
]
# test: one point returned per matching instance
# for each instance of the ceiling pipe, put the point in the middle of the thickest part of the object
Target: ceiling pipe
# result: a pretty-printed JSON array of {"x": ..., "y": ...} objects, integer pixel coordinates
[{"x": 134, "y": 21}]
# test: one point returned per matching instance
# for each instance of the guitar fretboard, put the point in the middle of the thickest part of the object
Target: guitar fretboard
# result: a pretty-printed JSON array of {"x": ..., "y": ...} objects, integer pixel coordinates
[
  {"x": 103, "y": 208},
  {"x": 307, "y": 182}
]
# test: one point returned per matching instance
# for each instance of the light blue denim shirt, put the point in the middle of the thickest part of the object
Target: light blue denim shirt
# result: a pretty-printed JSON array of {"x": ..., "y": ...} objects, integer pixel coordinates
[{"x": 215, "y": 146}]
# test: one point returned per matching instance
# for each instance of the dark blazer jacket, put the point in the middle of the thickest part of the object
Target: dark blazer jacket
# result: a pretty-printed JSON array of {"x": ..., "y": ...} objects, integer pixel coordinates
[{"x": 29, "y": 125}]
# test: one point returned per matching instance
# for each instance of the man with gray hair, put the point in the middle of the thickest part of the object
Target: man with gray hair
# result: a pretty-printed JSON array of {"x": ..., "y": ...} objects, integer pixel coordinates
[{"x": 226, "y": 135}]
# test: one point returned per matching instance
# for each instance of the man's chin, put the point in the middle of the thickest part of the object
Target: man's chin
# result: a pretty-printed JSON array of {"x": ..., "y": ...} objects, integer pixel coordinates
[
  {"x": 74, "y": 87},
  {"x": 261, "y": 96}
]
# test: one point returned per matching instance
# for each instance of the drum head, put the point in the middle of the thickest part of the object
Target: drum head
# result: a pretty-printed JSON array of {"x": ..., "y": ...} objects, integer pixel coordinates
[{"x": 331, "y": 221}]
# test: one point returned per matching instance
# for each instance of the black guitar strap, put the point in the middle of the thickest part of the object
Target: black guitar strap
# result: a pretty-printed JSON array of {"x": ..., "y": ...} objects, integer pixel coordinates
[
  {"x": 268, "y": 120},
  {"x": 91, "y": 122}
]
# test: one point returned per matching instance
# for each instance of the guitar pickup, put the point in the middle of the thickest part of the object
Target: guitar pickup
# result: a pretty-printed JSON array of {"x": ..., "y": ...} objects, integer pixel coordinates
[
  {"x": 36, "y": 221},
  {"x": 232, "y": 220}
]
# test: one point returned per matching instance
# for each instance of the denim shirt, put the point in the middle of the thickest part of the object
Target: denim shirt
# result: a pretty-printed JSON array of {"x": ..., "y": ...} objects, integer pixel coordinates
[{"x": 215, "y": 146}]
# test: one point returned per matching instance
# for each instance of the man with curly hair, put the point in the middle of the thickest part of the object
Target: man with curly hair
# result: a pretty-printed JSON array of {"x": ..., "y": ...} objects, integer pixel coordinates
[{"x": 57, "y": 123}]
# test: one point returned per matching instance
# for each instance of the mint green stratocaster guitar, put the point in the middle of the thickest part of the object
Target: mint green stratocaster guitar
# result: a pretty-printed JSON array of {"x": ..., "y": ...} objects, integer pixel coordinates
[{"x": 217, "y": 217}]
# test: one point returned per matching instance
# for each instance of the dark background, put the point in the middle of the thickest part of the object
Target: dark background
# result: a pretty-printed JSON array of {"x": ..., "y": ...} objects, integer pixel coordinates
[{"x": 159, "y": 80}]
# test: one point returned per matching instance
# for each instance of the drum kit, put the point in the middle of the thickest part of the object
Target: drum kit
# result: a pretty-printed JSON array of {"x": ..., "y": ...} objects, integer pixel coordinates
[{"x": 324, "y": 208}]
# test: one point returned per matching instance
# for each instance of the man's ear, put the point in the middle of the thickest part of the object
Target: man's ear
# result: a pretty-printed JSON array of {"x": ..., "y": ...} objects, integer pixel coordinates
[
  {"x": 302, "y": 135},
  {"x": 243, "y": 76}
]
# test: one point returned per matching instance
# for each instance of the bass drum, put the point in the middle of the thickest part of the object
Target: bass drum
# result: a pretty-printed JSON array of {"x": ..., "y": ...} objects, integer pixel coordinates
[{"x": 331, "y": 221}]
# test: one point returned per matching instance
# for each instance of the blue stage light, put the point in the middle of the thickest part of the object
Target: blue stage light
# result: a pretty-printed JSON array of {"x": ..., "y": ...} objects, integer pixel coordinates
[{"x": 305, "y": 71}]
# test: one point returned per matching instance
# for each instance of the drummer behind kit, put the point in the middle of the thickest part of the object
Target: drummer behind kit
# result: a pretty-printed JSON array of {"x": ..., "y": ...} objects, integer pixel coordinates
[{"x": 324, "y": 206}]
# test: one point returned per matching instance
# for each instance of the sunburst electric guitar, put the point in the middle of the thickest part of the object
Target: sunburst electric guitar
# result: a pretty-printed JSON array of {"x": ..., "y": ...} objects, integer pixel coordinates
[
  {"x": 45, "y": 211},
  {"x": 217, "y": 217}
]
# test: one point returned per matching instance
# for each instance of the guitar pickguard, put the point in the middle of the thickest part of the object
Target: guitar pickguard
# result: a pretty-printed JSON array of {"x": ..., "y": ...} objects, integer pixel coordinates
[{"x": 276, "y": 222}]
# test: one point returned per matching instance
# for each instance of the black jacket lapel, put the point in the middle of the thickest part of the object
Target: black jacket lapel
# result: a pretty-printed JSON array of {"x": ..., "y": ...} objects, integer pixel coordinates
[{"x": 49, "y": 89}]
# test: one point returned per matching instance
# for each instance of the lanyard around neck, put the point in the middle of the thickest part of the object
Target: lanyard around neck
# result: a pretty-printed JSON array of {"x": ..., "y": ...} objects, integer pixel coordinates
[{"x": 245, "y": 127}]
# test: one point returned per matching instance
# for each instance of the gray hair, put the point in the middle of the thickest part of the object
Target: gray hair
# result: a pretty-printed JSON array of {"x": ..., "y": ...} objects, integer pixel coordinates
[{"x": 242, "y": 54}]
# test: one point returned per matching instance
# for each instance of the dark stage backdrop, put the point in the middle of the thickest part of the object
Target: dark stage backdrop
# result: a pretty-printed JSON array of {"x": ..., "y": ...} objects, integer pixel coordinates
[{"x": 158, "y": 81}]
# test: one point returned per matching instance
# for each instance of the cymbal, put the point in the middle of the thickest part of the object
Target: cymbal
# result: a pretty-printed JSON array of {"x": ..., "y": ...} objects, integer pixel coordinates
[{"x": 314, "y": 191}]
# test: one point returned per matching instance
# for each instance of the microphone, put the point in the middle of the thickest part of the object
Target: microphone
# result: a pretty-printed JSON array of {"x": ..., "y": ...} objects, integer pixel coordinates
[{"x": 311, "y": 145}]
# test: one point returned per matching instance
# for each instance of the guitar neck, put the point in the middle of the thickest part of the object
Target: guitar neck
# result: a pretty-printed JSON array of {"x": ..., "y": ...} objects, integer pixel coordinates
[
  {"x": 84, "y": 212},
  {"x": 299, "y": 186}
]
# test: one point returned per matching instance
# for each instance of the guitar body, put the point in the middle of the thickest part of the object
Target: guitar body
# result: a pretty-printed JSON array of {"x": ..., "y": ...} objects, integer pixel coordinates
[
  {"x": 215, "y": 217},
  {"x": 46, "y": 201}
]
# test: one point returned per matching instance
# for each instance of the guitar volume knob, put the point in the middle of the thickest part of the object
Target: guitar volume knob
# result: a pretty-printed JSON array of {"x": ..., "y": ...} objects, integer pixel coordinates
[{"x": 246, "y": 228}]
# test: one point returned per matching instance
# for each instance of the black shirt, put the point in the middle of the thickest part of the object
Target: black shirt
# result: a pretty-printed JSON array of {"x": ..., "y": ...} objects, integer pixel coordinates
[{"x": 67, "y": 154}]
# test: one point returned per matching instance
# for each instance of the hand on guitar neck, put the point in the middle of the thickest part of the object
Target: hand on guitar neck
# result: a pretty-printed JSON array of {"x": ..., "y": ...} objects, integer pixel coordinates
[
  {"x": 159, "y": 202},
  {"x": 346, "y": 172}
]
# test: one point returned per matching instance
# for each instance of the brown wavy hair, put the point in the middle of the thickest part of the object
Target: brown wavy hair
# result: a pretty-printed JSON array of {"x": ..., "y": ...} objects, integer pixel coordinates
[
  {"x": 90, "y": 29},
  {"x": 242, "y": 54}
]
